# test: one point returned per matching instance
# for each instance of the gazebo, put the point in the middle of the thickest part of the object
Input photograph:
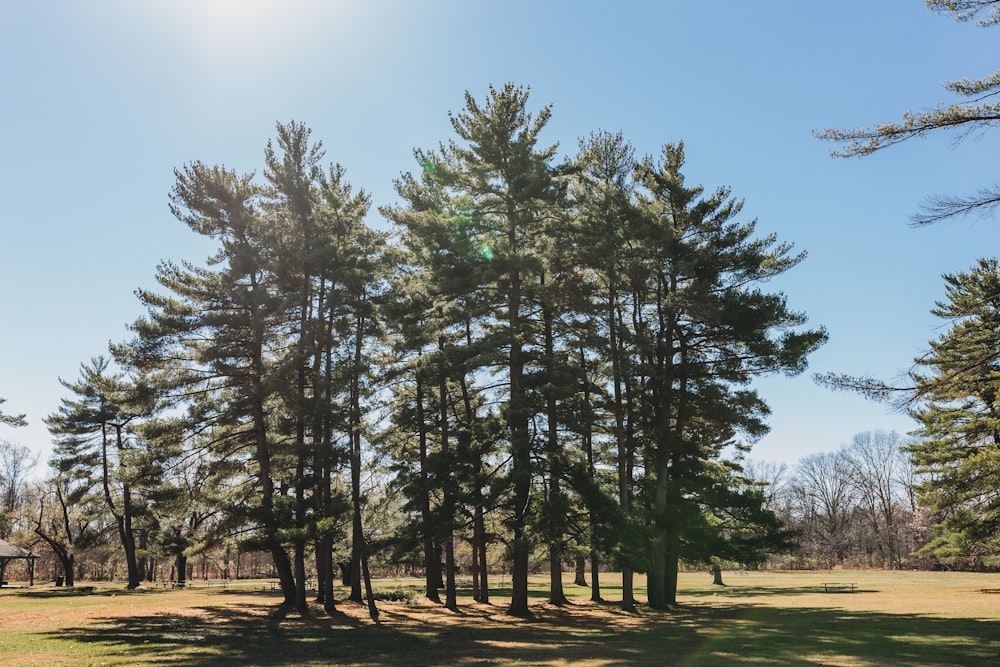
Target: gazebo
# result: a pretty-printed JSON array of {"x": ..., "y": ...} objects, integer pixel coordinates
[{"x": 9, "y": 552}]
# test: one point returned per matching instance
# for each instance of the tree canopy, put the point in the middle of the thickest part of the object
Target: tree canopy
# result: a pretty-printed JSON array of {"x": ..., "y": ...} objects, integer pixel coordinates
[{"x": 11, "y": 420}]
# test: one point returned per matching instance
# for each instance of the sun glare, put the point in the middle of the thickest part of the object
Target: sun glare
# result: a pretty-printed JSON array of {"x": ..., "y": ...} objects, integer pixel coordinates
[
  {"x": 221, "y": 30},
  {"x": 229, "y": 23}
]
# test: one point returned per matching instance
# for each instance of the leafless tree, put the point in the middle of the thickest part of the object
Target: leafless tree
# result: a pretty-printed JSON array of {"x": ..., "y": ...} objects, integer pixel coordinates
[
  {"x": 880, "y": 475},
  {"x": 823, "y": 497},
  {"x": 16, "y": 463}
]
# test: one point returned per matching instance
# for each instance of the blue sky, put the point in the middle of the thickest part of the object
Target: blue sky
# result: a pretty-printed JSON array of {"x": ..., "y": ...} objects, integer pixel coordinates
[{"x": 102, "y": 99}]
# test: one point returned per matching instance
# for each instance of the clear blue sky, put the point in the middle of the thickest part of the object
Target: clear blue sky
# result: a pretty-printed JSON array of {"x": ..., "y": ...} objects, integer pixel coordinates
[{"x": 102, "y": 99}]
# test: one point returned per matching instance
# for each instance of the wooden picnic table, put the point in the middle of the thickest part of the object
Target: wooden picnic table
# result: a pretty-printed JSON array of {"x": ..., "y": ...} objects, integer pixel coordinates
[{"x": 839, "y": 586}]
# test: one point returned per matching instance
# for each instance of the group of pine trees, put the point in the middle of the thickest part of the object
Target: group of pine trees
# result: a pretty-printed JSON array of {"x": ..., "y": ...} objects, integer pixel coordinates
[
  {"x": 542, "y": 354},
  {"x": 549, "y": 356}
]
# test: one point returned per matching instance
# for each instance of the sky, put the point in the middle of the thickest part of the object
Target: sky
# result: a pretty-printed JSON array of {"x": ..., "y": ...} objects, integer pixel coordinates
[{"x": 100, "y": 100}]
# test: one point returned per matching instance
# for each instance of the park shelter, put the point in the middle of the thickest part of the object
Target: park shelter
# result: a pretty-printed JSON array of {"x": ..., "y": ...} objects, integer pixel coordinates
[{"x": 9, "y": 552}]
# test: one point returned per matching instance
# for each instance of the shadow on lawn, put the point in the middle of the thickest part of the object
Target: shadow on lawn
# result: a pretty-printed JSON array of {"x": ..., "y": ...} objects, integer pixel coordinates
[
  {"x": 796, "y": 636},
  {"x": 66, "y": 592},
  {"x": 743, "y": 591},
  {"x": 482, "y": 635}
]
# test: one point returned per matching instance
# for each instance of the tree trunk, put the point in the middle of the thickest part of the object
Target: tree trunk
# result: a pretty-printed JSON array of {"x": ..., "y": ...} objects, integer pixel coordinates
[
  {"x": 556, "y": 510},
  {"x": 673, "y": 563},
  {"x": 432, "y": 564},
  {"x": 68, "y": 566},
  {"x": 300, "y": 574},
  {"x": 123, "y": 519},
  {"x": 520, "y": 444},
  {"x": 358, "y": 561},
  {"x": 180, "y": 563},
  {"x": 474, "y": 570},
  {"x": 588, "y": 445},
  {"x": 357, "y": 532},
  {"x": 479, "y": 535},
  {"x": 580, "y": 577},
  {"x": 481, "y": 591},
  {"x": 595, "y": 579},
  {"x": 322, "y": 429},
  {"x": 262, "y": 455},
  {"x": 372, "y": 607},
  {"x": 447, "y": 490},
  {"x": 658, "y": 572},
  {"x": 66, "y": 559},
  {"x": 128, "y": 538},
  {"x": 621, "y": 440},
  {"x": 716, "y": 575}
]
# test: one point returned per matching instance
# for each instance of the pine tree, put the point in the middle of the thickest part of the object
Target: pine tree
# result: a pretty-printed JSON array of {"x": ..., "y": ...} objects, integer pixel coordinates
[
  {"x": 266, "y": 347},
  {"x": 495, "y": 190},
  {"x": 605, "y": 215},
  {"x": 957, "y": 451},
  {"x": 209, "y": 344},
  {"x": 702, "y": 330},
  {"x": 96, "y": 438},
  {"x": 11, "y": 420},
  {"x": 438, "y": 314}
]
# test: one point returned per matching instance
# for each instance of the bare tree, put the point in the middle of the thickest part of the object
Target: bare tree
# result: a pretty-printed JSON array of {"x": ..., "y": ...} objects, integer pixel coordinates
[
  {"x": 775, "y": 481},
  {"x": 823, "y": 496},
  {"x": 16, "y": 462},
  {"x": 69, "y": 519},
  {"x": 878, "y": 468}
]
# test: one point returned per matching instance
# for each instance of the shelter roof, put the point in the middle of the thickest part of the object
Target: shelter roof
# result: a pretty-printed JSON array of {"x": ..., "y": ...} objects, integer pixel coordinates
[{"x": 8, "y": 550}]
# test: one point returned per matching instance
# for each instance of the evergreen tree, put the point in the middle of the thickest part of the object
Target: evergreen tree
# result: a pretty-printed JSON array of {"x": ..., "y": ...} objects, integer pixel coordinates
[
  {"x": 209, "y": 344},
  {"x": 327, "y": 265},
  {"x": 603, "y": 194},
  {"x": 957, "y": 452},
  {"x": 507, "y": 186},
  {"x": 703, "y": 330},
  {"x": 96, "y": 439},
  {"x": 438, "y": 314},
  {"x": 731, "y": 523},
  {"x": 11, "y": 420},
  {"x": 193, "y": 489},
  {"x": 266, "y": 347}
]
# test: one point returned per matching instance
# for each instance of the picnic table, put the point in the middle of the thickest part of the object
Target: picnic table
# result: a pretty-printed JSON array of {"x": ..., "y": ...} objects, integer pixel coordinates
[{"x": 839, "y": 587}]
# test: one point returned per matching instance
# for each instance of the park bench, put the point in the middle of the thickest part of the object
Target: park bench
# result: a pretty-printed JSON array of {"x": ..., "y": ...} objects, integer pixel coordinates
[
  {"x": 839, "y": 587},
  {"x": 310, "y": 585}
]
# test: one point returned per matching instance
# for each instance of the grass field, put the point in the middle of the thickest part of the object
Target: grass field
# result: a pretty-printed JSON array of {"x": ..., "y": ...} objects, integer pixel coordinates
[{"x": 770, "y": 618}]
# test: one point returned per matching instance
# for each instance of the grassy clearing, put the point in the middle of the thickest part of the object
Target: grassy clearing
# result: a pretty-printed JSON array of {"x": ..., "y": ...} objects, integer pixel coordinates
[{"x": 771, "y": 618}]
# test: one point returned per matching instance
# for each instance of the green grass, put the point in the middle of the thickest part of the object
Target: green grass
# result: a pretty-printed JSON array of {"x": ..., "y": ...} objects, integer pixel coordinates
[{"x": 769, "y": 618}]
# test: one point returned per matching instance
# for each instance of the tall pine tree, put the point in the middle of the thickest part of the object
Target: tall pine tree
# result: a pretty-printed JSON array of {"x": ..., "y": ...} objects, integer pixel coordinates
[{"x": 958, "y": 407}]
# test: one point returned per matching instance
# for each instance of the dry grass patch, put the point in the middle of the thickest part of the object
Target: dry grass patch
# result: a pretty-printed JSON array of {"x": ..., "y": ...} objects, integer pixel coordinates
[{"x": 766, "y": 618}]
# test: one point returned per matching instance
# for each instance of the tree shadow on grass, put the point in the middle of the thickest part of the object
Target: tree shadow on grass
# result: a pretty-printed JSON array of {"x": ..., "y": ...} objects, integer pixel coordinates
[
  {"x": 65, "y": 592},
  {"x": 746, "y": 591},
  {"x": 789, "y": 636},
  {"x": 484, "y": 635}
]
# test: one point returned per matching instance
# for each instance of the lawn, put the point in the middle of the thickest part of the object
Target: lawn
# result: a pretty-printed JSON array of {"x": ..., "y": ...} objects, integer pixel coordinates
[{"x": 771, "y": 618}]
